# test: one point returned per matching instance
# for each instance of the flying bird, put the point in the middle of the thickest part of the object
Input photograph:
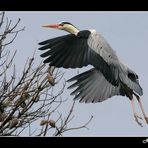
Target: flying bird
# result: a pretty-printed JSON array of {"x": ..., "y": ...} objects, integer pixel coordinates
[{"x": 109, "y": 75}]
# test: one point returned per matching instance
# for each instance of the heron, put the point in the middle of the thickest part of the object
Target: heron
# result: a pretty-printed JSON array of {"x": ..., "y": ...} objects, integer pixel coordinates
[{"x": 108, "y": 77}]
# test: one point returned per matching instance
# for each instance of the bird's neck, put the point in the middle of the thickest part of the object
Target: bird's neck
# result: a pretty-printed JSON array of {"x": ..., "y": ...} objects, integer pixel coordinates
[{"x": 72, "y": 30}]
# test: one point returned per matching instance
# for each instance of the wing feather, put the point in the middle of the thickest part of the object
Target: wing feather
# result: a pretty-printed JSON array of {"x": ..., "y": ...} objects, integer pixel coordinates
[{"x": 93, "y": 87}]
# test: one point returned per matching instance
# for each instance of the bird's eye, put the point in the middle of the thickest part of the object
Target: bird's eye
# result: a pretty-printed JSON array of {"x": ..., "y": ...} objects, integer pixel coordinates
[{"x": 61, "y": 24}]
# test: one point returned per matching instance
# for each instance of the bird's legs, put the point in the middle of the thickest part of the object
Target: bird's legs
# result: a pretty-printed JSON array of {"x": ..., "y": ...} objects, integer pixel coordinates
[
  {"x": 135, "y": 114},
  {"x": 142, "y": 108}
]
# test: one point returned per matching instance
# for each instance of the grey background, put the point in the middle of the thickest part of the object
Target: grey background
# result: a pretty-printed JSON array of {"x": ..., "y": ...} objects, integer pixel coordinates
[{"x": 126, "y": 32}]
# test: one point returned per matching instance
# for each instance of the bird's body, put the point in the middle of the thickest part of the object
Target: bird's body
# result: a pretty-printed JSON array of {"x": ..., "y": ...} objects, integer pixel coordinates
[{"x": 109, "y": 77}]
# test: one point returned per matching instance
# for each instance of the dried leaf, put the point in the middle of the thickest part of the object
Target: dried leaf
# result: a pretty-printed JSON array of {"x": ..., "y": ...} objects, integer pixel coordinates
[
  {"x": 43, "y": 122},
  {"x": 51, "y": 80},
  {"x": 52, "y": 123},
  {"x": 13, "y": 123},
  {"x": 3, "y": 117}
]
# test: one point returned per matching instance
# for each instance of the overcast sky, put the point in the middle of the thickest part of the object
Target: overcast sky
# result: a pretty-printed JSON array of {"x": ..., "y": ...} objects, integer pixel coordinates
[{"x": 126, "y": 32}]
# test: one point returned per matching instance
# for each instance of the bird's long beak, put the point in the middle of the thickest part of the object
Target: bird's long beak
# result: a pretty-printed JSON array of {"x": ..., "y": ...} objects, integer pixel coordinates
[{"x": 51, "y": 26}]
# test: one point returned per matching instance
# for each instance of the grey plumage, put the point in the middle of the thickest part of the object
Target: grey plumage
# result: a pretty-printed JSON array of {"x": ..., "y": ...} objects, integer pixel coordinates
[{"x": 109, "y": 77}]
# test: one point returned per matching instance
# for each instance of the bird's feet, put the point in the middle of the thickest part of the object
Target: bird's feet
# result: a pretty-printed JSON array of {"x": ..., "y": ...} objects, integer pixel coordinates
[{"x": 138, "y": 117}]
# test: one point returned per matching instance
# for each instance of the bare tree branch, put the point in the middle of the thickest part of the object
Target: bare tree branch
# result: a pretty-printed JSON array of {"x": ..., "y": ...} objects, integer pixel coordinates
[{"x": 28, "y": 102}]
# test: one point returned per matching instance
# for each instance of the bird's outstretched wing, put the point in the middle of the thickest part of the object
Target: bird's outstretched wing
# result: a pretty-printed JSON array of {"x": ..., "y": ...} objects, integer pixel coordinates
[
  {"x": 72, "y": 51},
  {"x": 93, "y": 87},
  {"x": 67, "y": 51}
]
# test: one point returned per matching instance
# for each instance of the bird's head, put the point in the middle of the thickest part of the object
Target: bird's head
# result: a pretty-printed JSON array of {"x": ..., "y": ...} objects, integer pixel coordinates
[{"x": 64, "y": 26}]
